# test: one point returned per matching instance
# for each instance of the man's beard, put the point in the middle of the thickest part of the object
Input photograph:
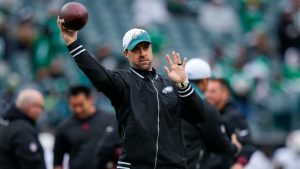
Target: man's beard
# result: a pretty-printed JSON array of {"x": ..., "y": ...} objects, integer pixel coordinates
[{"x": 145, "y": 67}]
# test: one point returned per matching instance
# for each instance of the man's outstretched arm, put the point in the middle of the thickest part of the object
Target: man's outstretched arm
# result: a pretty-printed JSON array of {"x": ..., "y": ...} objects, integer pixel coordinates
[{"x": 104, "y": 80}]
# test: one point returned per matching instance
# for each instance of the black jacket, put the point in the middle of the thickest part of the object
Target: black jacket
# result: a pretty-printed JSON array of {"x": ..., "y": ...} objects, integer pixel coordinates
[
  {"x": 234, "y": 123},
  {"x": 149, "y": 109},
  {"x": 201, "y": 139},
  {"x": 19, "y": 144},
  {"x": 80, "y": 137},
  {"x": 108, "y": 149}
]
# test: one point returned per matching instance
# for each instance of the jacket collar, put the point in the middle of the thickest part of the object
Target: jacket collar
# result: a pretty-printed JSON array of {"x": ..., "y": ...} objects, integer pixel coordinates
[
  {"x": 13, "y": 113},
  {"x": 144, "y": 73},
  {"x": 96, "y": 113},
  {"x": 229, "y": 105}
]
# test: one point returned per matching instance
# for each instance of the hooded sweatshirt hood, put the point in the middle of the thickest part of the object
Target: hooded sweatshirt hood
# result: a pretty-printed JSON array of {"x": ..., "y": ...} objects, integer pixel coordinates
[{"x": 14, "y": 113}]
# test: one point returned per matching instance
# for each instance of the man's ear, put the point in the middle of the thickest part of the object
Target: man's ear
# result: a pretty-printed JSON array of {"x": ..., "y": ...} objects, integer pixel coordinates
[
  {"x": 125, "y": 53},
  {"x": 28, "y": 112}
]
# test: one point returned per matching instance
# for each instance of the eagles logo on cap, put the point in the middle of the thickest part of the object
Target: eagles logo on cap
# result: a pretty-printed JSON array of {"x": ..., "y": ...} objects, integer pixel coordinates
[{"x": 134, "y": 37}]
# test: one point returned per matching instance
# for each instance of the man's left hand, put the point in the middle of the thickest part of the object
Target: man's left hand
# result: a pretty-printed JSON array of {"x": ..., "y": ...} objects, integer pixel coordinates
[
  {"x": 176, "y": 71},
  {"x": 237, "y": 166}
]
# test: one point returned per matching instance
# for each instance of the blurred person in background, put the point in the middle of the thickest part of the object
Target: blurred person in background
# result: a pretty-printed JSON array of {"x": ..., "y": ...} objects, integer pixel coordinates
[
  {"x": 19, "y": 144},
  {"x": 144, "y": 16},
  {"x": 219, "y": 20},
  {"x": 267, "y": 143},
  {"x": 289, "y": 157},
  {"x": 181, "y": 8},
  {"x": 218, "y": 94},
  {"x": 201, "y": 139},
  {"x": 251, "y": 13},
  {"x": 291, "y": 64},
  {"x": 4, "y": 37},
  {"x": 80, "y": 134},
  {"x": 288, "y": 28}
]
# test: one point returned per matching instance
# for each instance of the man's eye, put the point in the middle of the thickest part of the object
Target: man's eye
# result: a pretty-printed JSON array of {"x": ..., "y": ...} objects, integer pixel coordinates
[{"x": 134, "y": 49}]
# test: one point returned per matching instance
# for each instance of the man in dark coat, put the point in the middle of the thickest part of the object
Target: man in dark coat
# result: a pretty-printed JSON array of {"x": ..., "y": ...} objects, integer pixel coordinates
[
  {"x": 202, "y": 139},
  {"x": 19, "y": 144},
  {"x": 218, "y": 94}
]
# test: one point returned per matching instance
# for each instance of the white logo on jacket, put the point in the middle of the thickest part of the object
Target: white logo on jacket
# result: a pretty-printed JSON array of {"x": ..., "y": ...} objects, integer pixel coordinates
[
  {"x": 168, "y": 89},
  {"x": 33, "y": 147},
  {"x": 109, "y": 129}
]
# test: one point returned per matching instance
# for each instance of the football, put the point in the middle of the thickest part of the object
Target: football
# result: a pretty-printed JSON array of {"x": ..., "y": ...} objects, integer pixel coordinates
[{"x": 73, "y": 16}]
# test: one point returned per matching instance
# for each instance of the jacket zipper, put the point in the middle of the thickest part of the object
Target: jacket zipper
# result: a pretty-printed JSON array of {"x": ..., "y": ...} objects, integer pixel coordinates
[
  {"x": 155, "y": 163},
  {"x": 201, "y": 154},
  {"x": 124, "y": 131}
]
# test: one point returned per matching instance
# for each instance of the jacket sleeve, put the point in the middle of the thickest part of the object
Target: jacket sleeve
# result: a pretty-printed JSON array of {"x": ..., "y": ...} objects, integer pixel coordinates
[
  {"x": 193, "y": 107},
  {"x": 107, "y": 146},
  {"x": 244, "y": 136},
  {"x": 28, "y": 150},
  {"x": 109, "y": 82},
  {"x": 237, "y": 124},
  {"x": 60, "y": 148},
  {"x": 216, "y": 139}
]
